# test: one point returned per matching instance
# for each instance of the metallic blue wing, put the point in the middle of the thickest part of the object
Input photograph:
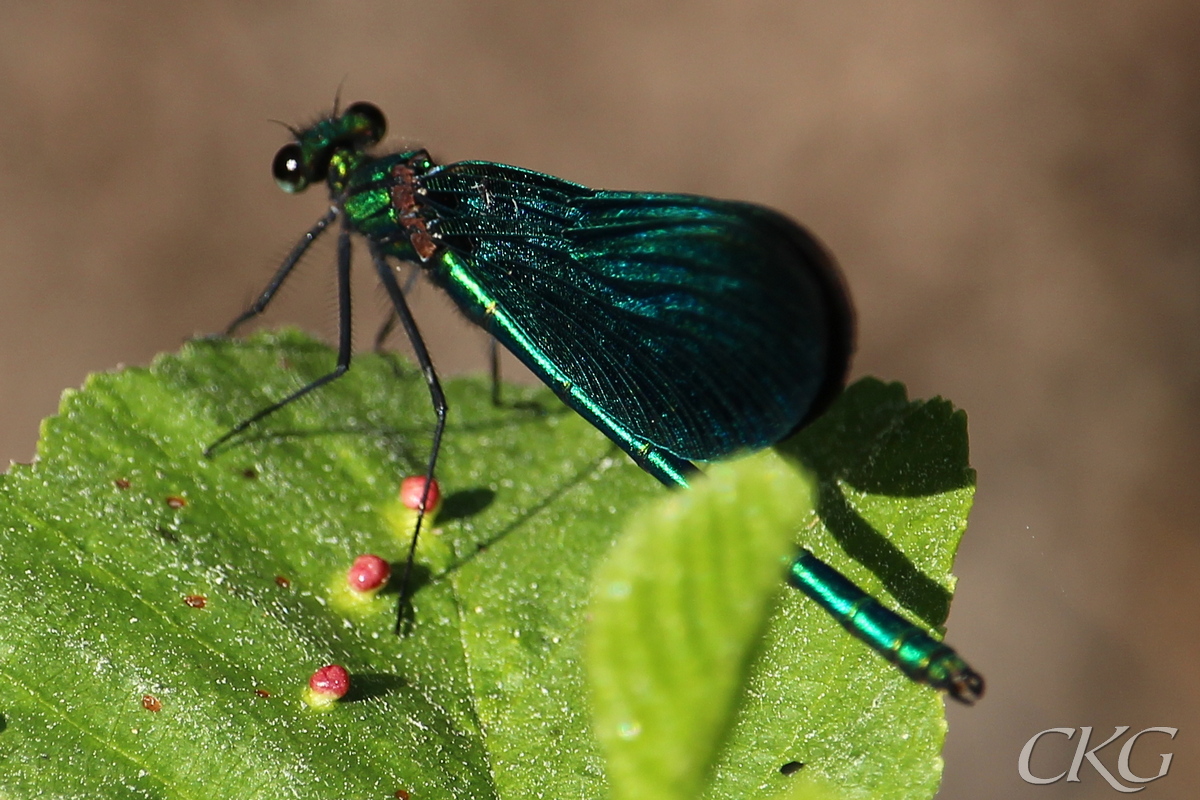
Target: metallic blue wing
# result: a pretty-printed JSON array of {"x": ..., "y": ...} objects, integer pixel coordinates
[{"x": 697, "y": 327}]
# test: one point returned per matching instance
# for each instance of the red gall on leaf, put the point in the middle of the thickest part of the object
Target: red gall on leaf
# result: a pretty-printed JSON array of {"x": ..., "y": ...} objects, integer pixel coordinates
[
  {"x": 326, "y": 686},
  {"x": 413, "y": 487},
  {"x": 368, "y": 573}
]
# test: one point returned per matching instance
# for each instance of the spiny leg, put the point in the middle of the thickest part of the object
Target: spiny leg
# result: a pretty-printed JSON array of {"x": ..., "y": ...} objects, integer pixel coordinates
[
  {"x": 344, "y": 340},
  {"x": 439, "y": 407},
  {"x": 389, "y": 324},
  {"x": 284, "y": 270},
  {"x": 385, "y": 330}
]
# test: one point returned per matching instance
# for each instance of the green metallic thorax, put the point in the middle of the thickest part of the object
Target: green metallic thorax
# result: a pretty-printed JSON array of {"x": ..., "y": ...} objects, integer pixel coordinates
[{"x": 364, "y": 183}]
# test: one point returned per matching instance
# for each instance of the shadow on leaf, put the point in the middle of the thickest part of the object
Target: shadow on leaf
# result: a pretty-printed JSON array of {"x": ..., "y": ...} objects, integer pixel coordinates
[
  {"x": 372, "y": 685},
  {"x": 877, "y": 441},
  {"x": 465, "y": 503}
]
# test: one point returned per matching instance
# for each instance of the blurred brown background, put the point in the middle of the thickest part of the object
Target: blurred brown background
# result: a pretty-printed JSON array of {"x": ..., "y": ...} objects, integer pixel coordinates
[{"x": 1012, "y": 188}]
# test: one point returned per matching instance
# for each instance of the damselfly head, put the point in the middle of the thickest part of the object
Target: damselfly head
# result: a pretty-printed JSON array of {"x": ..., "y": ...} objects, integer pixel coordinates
[{"x": 307, "y": 159}]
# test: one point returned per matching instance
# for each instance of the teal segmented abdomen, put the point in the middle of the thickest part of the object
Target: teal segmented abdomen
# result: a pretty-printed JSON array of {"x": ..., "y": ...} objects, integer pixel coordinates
[{"x": 917, "y": 654}]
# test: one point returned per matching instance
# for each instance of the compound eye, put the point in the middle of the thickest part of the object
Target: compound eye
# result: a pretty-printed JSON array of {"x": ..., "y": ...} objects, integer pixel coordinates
[
  {"x": 371, "y": 125},
  {"x": 288, "y": 169}
]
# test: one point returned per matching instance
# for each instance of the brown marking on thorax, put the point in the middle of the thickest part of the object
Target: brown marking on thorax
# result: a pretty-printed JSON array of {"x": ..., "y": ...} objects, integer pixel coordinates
[{"x": 406, "y": 200}]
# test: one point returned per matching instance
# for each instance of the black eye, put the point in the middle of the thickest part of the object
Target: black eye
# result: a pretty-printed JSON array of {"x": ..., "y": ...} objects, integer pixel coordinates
[
  {"x": 373, "y": 124},
  {"x": 288, "y": 169}
]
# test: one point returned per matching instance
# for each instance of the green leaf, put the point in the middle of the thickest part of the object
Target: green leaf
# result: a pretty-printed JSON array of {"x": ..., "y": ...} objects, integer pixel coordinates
[
  {"x": 894, "y": 492},
  {"x": 682, "y": 603},
  {"x": 486, "y": 697},
  {"x": 678, "y": 609}
]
